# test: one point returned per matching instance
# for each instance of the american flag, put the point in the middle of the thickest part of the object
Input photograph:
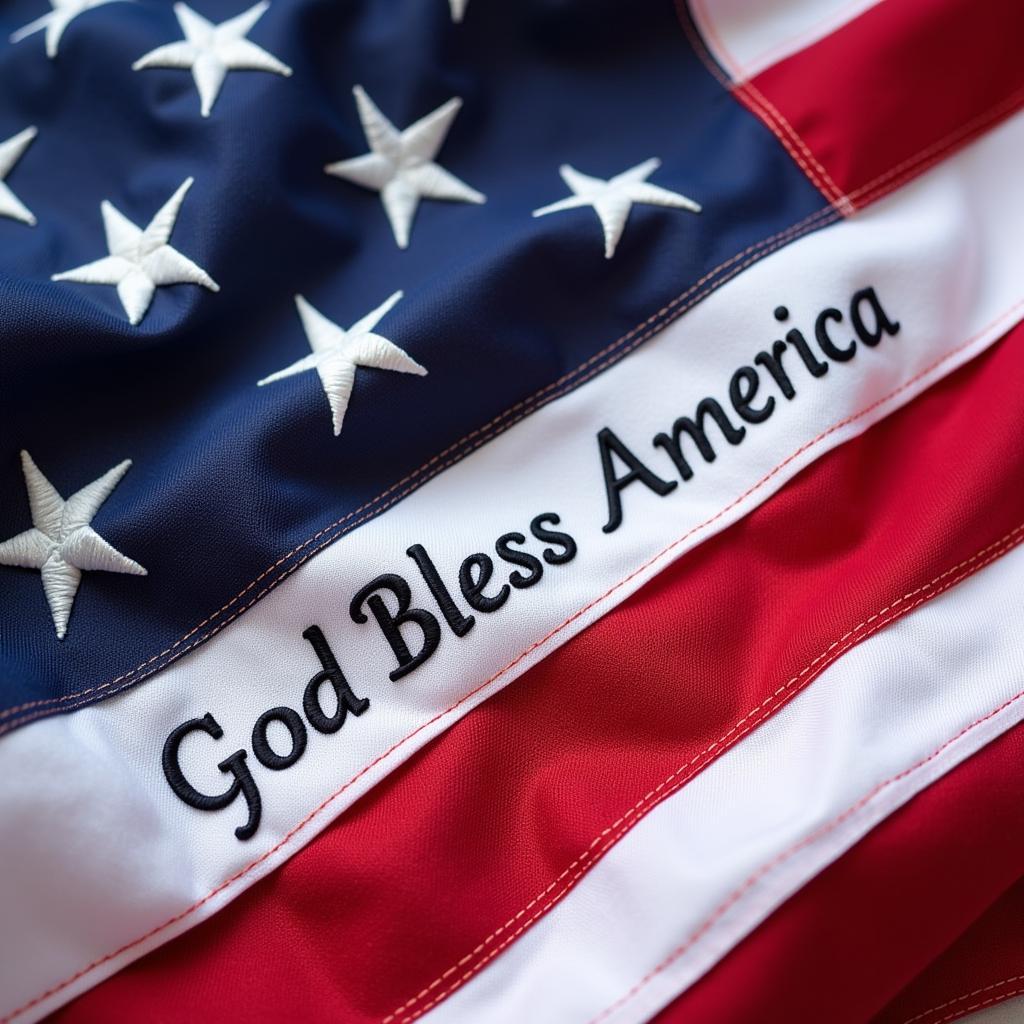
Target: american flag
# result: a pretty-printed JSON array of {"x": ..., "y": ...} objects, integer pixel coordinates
[{"x": 511, "y": 511}]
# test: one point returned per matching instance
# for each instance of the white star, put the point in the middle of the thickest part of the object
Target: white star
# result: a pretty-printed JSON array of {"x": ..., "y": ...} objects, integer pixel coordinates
[
  {"x": 141, "y": 261},
  {"x": 211, "y": 51},
  {"x": 10, "y": 153},
  {"x": 61, "y": 543},
  {"x": 458, "y": 9},
  {"x": 613, "y": 199},
  {"x": 400, "y": 165},
  {"x": 337, "y": 353},
  {"x": 55, "y": 21}
]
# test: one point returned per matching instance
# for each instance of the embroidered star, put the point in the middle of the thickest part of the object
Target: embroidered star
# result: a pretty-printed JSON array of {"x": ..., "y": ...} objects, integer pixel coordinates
[
  {"x": 400, "y": 165},
  {"x": 55, "y": 21},
  {"x": 61, "y": 544},
  {"x": 141, "y": 261},
  {"x": 10, "y": 153},
  {"x": 337, "y": 353},
  {"x": 458, "y": 9},
  {"x": 613, "y": 199},
  {"x": 210, "y": 51}
]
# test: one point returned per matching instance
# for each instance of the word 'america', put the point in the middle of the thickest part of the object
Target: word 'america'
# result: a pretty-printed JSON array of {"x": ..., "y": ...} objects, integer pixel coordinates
[
  {"x": 474, "y": 578},
  {"x": 870, "y": 323}
]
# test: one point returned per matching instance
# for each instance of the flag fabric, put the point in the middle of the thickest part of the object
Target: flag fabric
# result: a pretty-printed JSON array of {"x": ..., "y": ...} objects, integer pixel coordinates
[{"x": 512, "y": 511}]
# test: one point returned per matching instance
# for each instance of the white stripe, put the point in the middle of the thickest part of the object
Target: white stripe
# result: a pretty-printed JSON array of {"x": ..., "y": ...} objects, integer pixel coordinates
[
  {"x": 748, "y": 37},
  {"x": 97, "y": 851},
  {"x": 812, "y": 775},
  {"x": 1010, "y": 1012}
]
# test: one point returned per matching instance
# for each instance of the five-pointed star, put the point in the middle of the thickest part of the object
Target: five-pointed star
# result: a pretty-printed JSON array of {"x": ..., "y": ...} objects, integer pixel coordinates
[
  {"x": 211, "y": 51},
  {"x": 613, "y": 199},
  {"x": 400, "y": 165},
  {"x": 337, "y": 353},
  {"x": 141, "y": 261},
  {"x": 10, "y": 153},
  {"x": 61, "y": 543},
  {"x": 55, "y": 21},
  {"x": 458, "y": 9}
]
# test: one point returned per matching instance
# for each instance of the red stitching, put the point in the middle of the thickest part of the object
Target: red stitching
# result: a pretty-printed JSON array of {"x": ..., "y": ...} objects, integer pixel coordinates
[
  {"x": 969, "y": 995},
  {"x": 529, "y": 650},
  {"x": 598, "y": 362},
  {"x": 683, "y": 774},
  {"x": 807, "y": 840}
]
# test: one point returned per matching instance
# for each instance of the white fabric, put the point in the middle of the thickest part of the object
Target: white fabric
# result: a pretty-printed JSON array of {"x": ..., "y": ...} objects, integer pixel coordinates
[
  {"x": 98, "y": 851},
  {"x": 748, "y": 37},
  {"x": 1010, "y": 1012},
  {"x": 825, "y": 769}
]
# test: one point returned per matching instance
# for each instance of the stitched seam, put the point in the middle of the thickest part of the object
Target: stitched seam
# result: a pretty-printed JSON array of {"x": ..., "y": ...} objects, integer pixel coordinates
[
  {"x": 738, "y": 894},
  {"x": 1002, "y": 997},
  {"x": 960, "y": 999},
  {"x": 933, "y": 154},
  {"x": 749, "y": 100},
  {"x": 917, "y": 162},
  {"x": 979, "y": 121},
  {"x": 696, "y": 764},
  {"x": 529, "y": 650},
  {"x": 834, "y": 193},
  {"x": 596, "y": 363},
  {"x": 729, "y": 62},
  {"x": 757, "y": 106}
]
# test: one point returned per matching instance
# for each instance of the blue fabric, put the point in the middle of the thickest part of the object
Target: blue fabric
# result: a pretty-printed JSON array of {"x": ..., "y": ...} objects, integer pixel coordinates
[{"x": 228, "y": 477}]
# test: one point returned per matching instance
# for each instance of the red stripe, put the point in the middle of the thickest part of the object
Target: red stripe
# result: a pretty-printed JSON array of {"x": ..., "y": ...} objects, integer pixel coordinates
[
  {"x": 842, "y": 947},
  {"x": 486, "y": 828},
  {"x": 894, "y": 90},
  {"x": 985, "y": 965}
]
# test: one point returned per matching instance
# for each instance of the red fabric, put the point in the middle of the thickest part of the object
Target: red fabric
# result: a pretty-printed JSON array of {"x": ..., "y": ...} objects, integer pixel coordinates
[
  {"x": 850, "y": 940},
  {"x": 506, "y": 805},
  {"x": 894, "y": 90},
  {"x": 983, "y": 967}
]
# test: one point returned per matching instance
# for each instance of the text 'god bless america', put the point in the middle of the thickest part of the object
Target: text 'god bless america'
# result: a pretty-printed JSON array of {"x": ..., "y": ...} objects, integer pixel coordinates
[{"x": 485, "y": 583}]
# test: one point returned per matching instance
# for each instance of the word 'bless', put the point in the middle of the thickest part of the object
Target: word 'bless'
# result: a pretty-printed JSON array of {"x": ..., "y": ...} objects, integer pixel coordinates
[{"x": 474, "y": 578}]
